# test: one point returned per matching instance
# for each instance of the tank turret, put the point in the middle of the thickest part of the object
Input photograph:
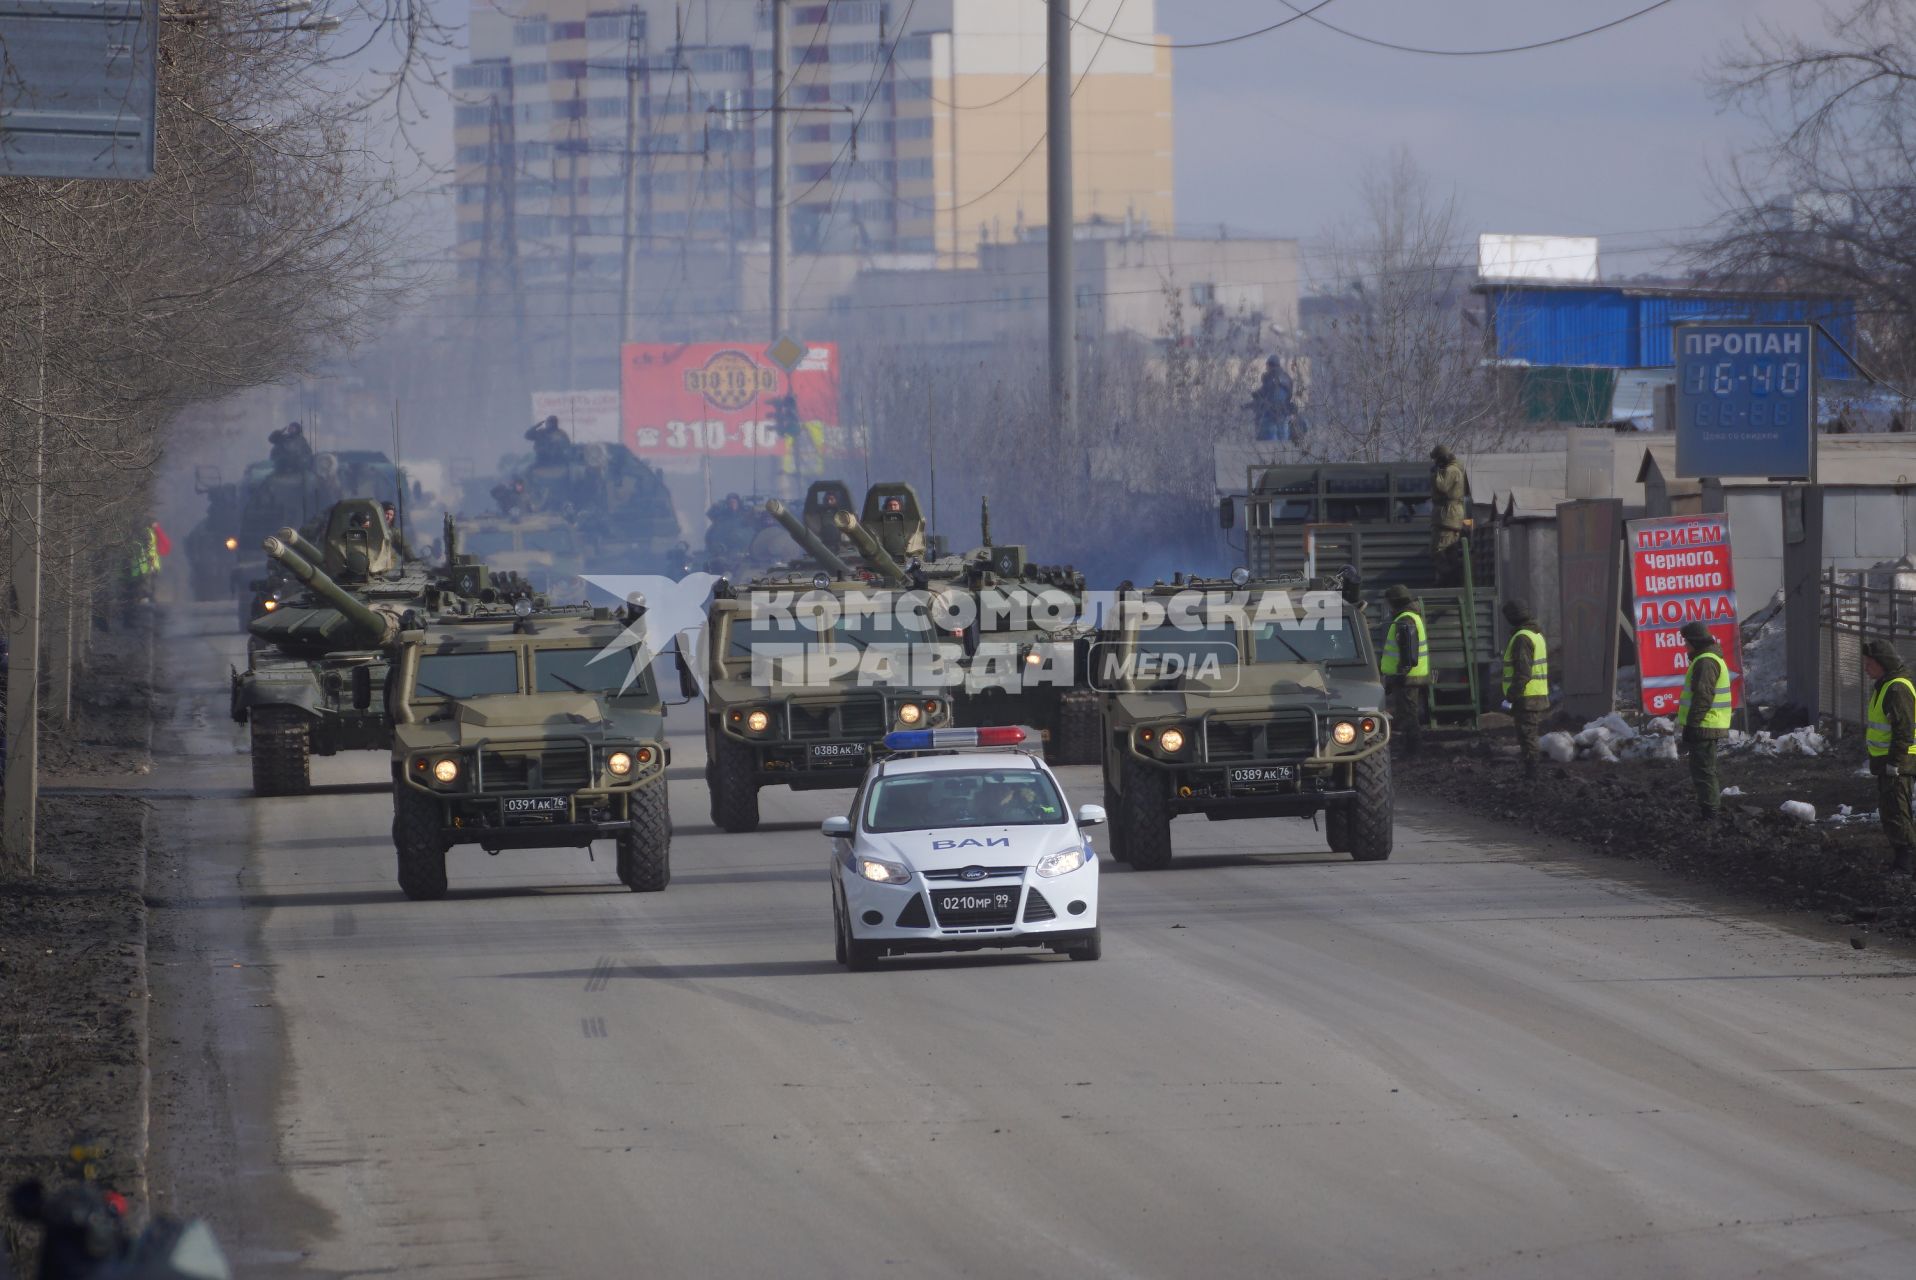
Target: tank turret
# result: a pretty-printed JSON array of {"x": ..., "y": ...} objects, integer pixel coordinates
[
  {"x": 292, "y": 538},
  {"x": 814, "y": 546},
  {"x": 875, "y": 556},
  {"x": 336, "y": 619}
]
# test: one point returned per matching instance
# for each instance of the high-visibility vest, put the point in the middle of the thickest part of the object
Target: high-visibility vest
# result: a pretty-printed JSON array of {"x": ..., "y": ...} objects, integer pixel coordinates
[
  {"x": 1394, "y": 660},
  {"x": 147, "y": 559},
  {"x": 1876, "y": 737},
  {"x": 1718, "y": 716},
  {"x": 1538, "y": 686}
]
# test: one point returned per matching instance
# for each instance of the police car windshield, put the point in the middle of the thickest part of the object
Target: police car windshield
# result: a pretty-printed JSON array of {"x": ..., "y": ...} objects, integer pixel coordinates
[
  {"x": 466, "y": 675},
  {"x": 973, "y": 798}
]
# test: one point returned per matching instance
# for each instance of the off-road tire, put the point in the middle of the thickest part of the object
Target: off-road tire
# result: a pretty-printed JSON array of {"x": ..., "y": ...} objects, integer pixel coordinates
[
  {"x": 1114, "y": 831},
  {"x": 1076, "y": 737},
  {"x": 644, "y": 853},
  {"x": 419, "y": 844},
  {"x": 282, "y": 751},
  {"x": 734, "y": 791},
  {"x": 1337, "y": 829},
  {"x": 1144, "y": 811},
  {"x": 1370, "y": 818},
  {"x": 1092, "y": 948}
]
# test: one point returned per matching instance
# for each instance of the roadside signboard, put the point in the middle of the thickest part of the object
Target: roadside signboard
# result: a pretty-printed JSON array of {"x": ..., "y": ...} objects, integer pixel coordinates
[
  {"x": 681, "y": 402},
  {"x": 585, "y": 415},
  {"x": 1680, "y": 569},
  {"x": 1746, "y": 400},
  {"x": 77, "y": 88}
]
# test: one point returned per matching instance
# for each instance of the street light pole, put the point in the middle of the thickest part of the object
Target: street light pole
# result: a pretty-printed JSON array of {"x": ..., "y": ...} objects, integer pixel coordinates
[
  {"x": 781, "y": 215},
  {"x": 1064, "y": 336}
]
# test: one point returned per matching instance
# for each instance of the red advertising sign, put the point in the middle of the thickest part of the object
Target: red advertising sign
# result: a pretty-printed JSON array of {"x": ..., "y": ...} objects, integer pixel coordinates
[
  {"x": 683, "y": 401},
  {"x": 1680, "y": 566}
]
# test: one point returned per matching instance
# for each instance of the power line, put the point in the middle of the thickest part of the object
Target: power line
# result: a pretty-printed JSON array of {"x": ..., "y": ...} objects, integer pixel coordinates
[
  {"x": 1473, "y": 53},
  {"x": 1297, "y": 16}
]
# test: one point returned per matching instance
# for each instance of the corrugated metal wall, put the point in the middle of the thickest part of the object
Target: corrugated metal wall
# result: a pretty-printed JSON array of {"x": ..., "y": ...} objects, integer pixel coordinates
[{"x": 1610, "y": 328}]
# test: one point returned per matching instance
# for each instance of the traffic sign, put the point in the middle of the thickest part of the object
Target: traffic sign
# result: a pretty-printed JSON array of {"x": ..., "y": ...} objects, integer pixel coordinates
[
  {"x": 786, "y": 353},
  {"x": 1745, "y": 400}
]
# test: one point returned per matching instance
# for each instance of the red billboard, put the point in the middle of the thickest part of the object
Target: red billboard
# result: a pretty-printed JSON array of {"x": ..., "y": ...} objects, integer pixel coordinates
[
  {"x": 684, "y": 401},
  {"x": 1680, "y": 566}
]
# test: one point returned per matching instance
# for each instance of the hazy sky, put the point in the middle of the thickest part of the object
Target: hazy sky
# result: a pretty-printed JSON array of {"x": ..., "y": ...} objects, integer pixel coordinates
[{"x": 1613, "y": 133}]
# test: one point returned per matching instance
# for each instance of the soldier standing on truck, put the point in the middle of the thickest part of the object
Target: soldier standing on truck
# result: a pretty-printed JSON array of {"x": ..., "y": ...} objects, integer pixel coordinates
[
  {"x": 1405, "y": 667},
  {"x": 1703, "y": 715},
  {"x": 1526, "y": 681},
  {"x": 1890, "y": 735},
  {"x": 1448, "y": 489}
]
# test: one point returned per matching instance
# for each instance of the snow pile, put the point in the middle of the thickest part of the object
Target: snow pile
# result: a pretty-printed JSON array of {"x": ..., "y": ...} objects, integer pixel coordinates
[
  {"x": 1733, "y": 791},
  {"x": 1765, "y": 674},
  {"x": 1611, "y": 739},
  {"x": 1558, "y": 746},
  {"x": 1797, "y": 742},
  {"x": 1799, "y": 810},
  {"x": 1845, "y": 815}
]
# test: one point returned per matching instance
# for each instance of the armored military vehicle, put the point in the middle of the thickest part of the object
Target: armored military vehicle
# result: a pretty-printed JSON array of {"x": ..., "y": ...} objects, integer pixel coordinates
[
  {"x": 526, "y": 729},
  {"x": 315, "y": 681},
  {"x": 1027, "y": 641},
  {"x": 807, "y": 668},
  {"x": 212, "y": 545},
  {"x": 619, "y": 505},
  {"x": 1242, "y": 698},
  {"x": 543, "y": 549}
]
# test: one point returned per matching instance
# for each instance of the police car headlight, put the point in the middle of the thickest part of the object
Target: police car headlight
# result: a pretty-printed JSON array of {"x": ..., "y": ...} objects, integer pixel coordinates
[
  {"x": 758, "y": 722},
  {"x": 883, "y": 872},
  {"x": 1172, "y": 741},
  {"x": 446, "y": 771},
  {"x": 1057, "y": 864},
  {"x": 1343, "y": 733},
  {"x": 909, "y": 713},
  {"x": 619, "y": 763}
]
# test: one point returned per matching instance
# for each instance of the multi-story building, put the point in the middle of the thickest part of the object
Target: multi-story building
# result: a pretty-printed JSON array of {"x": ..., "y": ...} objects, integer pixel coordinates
[{"x": 916, "y": 128}]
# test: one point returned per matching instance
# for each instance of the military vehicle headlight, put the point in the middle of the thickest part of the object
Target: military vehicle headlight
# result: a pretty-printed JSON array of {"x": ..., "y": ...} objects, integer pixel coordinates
[
  {"x": 619, "y": 762},
  {"x": 758, "y": 722},
  {"x": 232, "y": 544},
  {"x": 1240, "y": 576},
  {"x": 269, "y": 605},
  {"x": 446, "y": 770},
  {"x": 1343, "y": 733},
  {"x": 1172, "y": 740},
  {"x": 1033, "y": 658},
  {"x": 821, "y": 580},
  {"x": 910, "y": 713}
]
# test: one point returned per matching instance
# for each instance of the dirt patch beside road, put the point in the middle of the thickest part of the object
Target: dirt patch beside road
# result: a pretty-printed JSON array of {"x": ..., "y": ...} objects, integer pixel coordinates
[
  {"x": 73, "y": 1024},
  {"x": 1642, "y": 811}
]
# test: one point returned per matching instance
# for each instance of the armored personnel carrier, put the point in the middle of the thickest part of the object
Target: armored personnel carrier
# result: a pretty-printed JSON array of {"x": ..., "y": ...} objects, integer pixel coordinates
[
  {"x": 314, "y": 685},
  {"x": 1242, "y": 698},
  {"x": 526, "y": 728}
]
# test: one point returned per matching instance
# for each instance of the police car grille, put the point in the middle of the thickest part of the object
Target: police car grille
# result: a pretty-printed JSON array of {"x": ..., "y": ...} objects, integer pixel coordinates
[
  {"x": 958, "y": 873},
  {"x": 1290, "y": 737},
  {"x": 1037, "y": 908},
  {"x": 996, "y": 919}
]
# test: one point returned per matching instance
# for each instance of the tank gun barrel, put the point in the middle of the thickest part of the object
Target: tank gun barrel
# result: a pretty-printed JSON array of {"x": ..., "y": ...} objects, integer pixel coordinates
[
  {"x": 291, "y": 537},
  {"x": 814, "y": 545},
  {"x": 372, "y": 628},
  {"x": 875, "y": 555}
]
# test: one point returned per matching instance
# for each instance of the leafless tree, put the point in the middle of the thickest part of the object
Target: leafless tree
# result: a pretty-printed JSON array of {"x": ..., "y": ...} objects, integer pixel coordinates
[
  {"x": 1828, "y": 201},
  {"x": 1395, "y": 367}
]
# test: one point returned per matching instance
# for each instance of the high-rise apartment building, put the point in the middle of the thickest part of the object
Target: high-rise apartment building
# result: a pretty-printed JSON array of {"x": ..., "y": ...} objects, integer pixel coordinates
[{"x": 916, "y": 128}]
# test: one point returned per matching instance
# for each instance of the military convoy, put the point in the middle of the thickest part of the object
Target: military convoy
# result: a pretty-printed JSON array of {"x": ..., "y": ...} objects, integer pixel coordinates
[{"x": 521, "y": 728}]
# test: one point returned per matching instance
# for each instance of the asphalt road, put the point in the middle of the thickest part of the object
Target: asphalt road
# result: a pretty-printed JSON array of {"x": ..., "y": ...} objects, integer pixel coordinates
[{"x": 1473, "y": 1060}]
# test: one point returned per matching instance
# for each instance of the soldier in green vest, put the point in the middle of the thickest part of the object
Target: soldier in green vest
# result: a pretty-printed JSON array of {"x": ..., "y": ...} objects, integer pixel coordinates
[
  {"x": 1526, "y": 680},
  {"x": 1703, "y": 714},
  {"x": 1405, "y": 666},
  {"x": 1890, "y": 736}
]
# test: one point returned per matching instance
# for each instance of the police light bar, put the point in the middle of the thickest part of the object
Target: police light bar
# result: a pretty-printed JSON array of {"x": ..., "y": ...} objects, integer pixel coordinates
[{"x": 931, "y": 739}]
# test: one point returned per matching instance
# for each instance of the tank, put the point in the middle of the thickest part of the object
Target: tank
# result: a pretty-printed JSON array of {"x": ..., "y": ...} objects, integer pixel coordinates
[
  {"x": 620, "y": 505},
  {"x": 873, "y": 552},
  {"x": 336, "y": 619},
  {"x": 803, "y": 535}
]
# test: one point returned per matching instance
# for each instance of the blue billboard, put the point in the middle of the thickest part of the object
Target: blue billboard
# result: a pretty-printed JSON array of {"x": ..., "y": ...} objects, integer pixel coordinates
[{"x": 1745, "y": 403}]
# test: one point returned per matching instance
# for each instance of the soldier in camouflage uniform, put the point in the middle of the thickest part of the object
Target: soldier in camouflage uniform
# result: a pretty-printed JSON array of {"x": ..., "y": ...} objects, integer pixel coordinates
[
  {"x": 1526, "y": 683},
  {"x": 1449, "y": 492},
  {"x": 1890, "y": 735},
  {"x": 1405, "y": 666},
  {"x": 1703, "y": 715}
]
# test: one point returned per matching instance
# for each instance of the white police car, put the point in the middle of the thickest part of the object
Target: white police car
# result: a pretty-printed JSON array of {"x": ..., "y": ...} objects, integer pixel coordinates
[{"x": 961, "y": 850}]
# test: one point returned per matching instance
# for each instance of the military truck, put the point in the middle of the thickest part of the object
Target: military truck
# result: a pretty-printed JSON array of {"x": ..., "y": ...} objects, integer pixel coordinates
[
  {"x": 1242, "y": 698},
  {"x": 315, "y": 680},
  {"x": 525, "y": 729},
  {"x": 814, "y": 722},
  {"x": 1375, "y": 519}
]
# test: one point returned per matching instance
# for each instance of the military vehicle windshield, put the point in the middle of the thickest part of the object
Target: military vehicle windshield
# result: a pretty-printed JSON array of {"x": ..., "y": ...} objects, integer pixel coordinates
[
  {"x": 980, "y": 798},
  {"x": 588, "y": 671},
  {"x": 1219, "y": 637},
  {"x": 1314, "y": 643},
  {"x": 466, "y": 675}
]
